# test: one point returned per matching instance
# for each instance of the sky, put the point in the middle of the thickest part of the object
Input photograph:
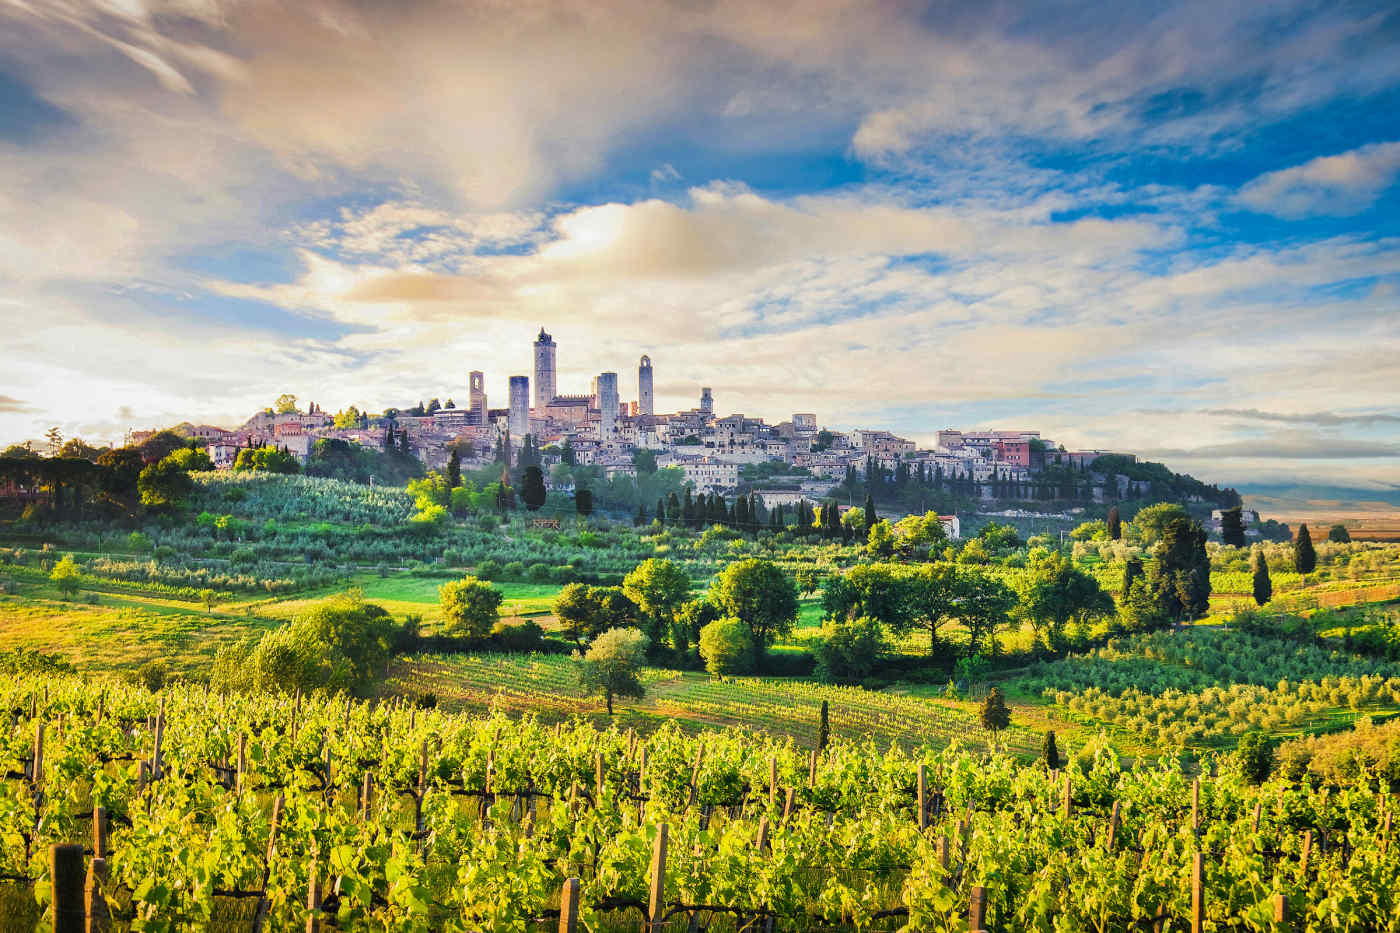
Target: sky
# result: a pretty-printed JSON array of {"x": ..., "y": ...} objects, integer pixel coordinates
[{"x": 1172, "y": 229}]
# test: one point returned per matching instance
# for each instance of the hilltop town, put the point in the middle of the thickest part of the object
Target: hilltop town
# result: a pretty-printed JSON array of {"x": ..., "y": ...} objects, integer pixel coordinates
[{"x": 782, "y": 464}]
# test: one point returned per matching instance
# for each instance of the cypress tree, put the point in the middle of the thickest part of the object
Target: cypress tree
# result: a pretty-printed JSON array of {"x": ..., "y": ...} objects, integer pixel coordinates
[
  {"x": 532, "y": 488},
  {"x": 641, "y": 518},
  {"x": 1232, "y": 527},
  {"x": 1049, "y": 751},
  {"x": 1263, "y": 586},
  {"x": 454, "y": 469},
  {"x": 1304, "y": 556},
  {"x": 870, "y": 517},
  {"x": 823, "y": 729},
  {"x": 674, "y": 516},
  {"x": 1115, "y": 524},
  {"x": 661, "y": 510}
]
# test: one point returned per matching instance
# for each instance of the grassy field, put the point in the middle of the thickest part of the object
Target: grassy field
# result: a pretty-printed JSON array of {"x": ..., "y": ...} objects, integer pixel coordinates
[{"x": 546, "y": 685}]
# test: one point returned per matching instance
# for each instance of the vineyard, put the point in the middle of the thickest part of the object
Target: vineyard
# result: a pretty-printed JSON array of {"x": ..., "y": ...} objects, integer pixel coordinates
[
  {"x": 1202, "y": 684},
  {"x": 272, "y": 812}
]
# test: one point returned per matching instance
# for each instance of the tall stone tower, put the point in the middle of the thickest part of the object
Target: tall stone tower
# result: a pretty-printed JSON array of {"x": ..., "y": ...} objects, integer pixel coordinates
[
  {"x": 607, "y": 405},
  {"x": 476, "y": 393},
  {"x": 707, "y": 401},
  {"x": 645, "y": 404},
  {"x": 520, "y": 406},
  {"x": 545, "y": 386}
]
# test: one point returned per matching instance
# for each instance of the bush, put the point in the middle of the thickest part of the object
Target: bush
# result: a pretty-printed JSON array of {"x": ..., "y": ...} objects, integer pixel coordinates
[
  {"x": 727, "y": 647},
  {"x": 525, "y": 637},
  {"x": 847, "y": 651},
  {"x": 513, "y": 571},
  {"x": 489, "y": 569},
  {"x": 153, "y": 674}
]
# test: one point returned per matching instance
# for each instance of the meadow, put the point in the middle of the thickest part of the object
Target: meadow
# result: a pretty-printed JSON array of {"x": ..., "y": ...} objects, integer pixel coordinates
[{"x": 254, "y": 552}]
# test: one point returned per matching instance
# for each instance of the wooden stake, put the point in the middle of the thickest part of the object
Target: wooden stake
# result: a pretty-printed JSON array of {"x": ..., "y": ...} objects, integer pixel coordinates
[
  {"x": 99, "y": 832},
  {"x": 656, "y": 909},
  {"x": 762, "y": 842},
  {"x": 940, "y": 846},
  {"x": 921, "y": 799},
  {"x": 598, "y": 780},
  {"x": 568, "y": 906},
  {"x": 1066, "y": 801},
  {"x": 98, "y": 919},
  {"x": 366, "y": 795},
  {"x": 977, "y": 910},
  {"x": 787, "y": 804},
  {"x": 242, "y": 761},
  {"x": 36, "y": 766},
  {"x": 1281, "y": 910},
  {"x": 1198, "y": 892},
  {"x": 66, "y": 878},
  {"x": 772, "y": 782},
  {"x": 1307, "y": 851},
  {"x": 1196, "y": 805},
  {"x": 812, "y": 770},
  {"x": 313, "y": 900},
  {"x": 1112, "y": 828}
]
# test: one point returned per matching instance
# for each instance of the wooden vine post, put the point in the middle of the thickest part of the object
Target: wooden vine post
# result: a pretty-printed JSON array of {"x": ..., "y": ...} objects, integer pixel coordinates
[
  {"x": 36, "y": 765},
  {"x": 241, "y": 774},
  {"x": 313, "y": 900},
  {"x": 812, "y": 770},
  {"x": 66, "y": 877},
  {"x": 921, "y": 798},
  {"x": 656, "y": 908},
  {"x": 977, "y": 910},
  {"x": 1066, "y": 801},
  {"x": 1196, "y": 805},
  {"x": 1113, "y": 821},
  {"x": 1307, "y": 851},
  {"x": 1198, "y": 892},
  {"x": 568, "y": 906},
  {"x": 1281, "y": 910},
  {"x": 772, "y": 782}
]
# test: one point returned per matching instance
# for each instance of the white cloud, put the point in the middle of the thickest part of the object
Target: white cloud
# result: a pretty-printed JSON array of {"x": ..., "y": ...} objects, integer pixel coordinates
[{"x": 1336, "y": 185}]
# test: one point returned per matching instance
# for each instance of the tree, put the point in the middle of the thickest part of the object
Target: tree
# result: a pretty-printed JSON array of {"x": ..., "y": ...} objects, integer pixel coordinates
[
  {"x": 760, "y": 595},
  {"x": 470, "y": 607},
  {"x": 583, "y": 502},
  {"x": 267, "y": 459},
  {"x": 454, "y": 469},
  {"x": 1338, "y": 534},
  {"x": 870, "y": 517},
  {"x": 53, "y": 439},
  {"x": 727, "y": 646},
  {"x": 286, "y": 404},
  {"x": 1054, "y": 592},
  {"x": 356, "y": 637},
  {"x": 1256, "y": 757},
  {"x": 1304, "y": 556},
  {"x": 191, "y": 459},
  {"x": 1180, "y": 577},
  {"x": 1050, "y": 752},
  {"x": 985, "y": 608},
  {"x": 612, "y": 663},
  {"x": 65, "y": 576},
  {"x": 207, "y": 596},
  {"x": 847, "y": 651},
  {"x": 1232, "y": 526},
  {"x": 880, "y": 541},
  {"x": 164, "y": 486},
  {"x": 1263, "y": 586},
  {"x": 824, "y": 727},
  {"x": 659, "y": 587},
  {"x": 994, "y": 714},
  {"x": 588, "y": 611},
  {"x": 807, "y": 579},
  {"x": 532, "y": 488},
  {"x": 1149, "y": 524},
  {"x": 1115, "y": 524}
]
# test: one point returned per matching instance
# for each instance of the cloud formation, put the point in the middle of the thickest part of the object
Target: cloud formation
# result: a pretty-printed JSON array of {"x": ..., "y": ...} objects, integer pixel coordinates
[
  {"x": 893, "y": 214},
  {"x": 1330, "y": 185}
]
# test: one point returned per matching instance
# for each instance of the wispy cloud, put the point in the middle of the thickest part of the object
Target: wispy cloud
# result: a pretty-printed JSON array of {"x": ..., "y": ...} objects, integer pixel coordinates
[
  {"x": 1319, "y": 418},
  {"x": 1330, "y": 185},
  {"x": 14, "y": 406}
]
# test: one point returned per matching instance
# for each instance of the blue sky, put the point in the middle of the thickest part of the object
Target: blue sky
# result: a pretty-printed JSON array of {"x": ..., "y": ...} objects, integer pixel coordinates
[{"x": 1173, "y": 229}]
